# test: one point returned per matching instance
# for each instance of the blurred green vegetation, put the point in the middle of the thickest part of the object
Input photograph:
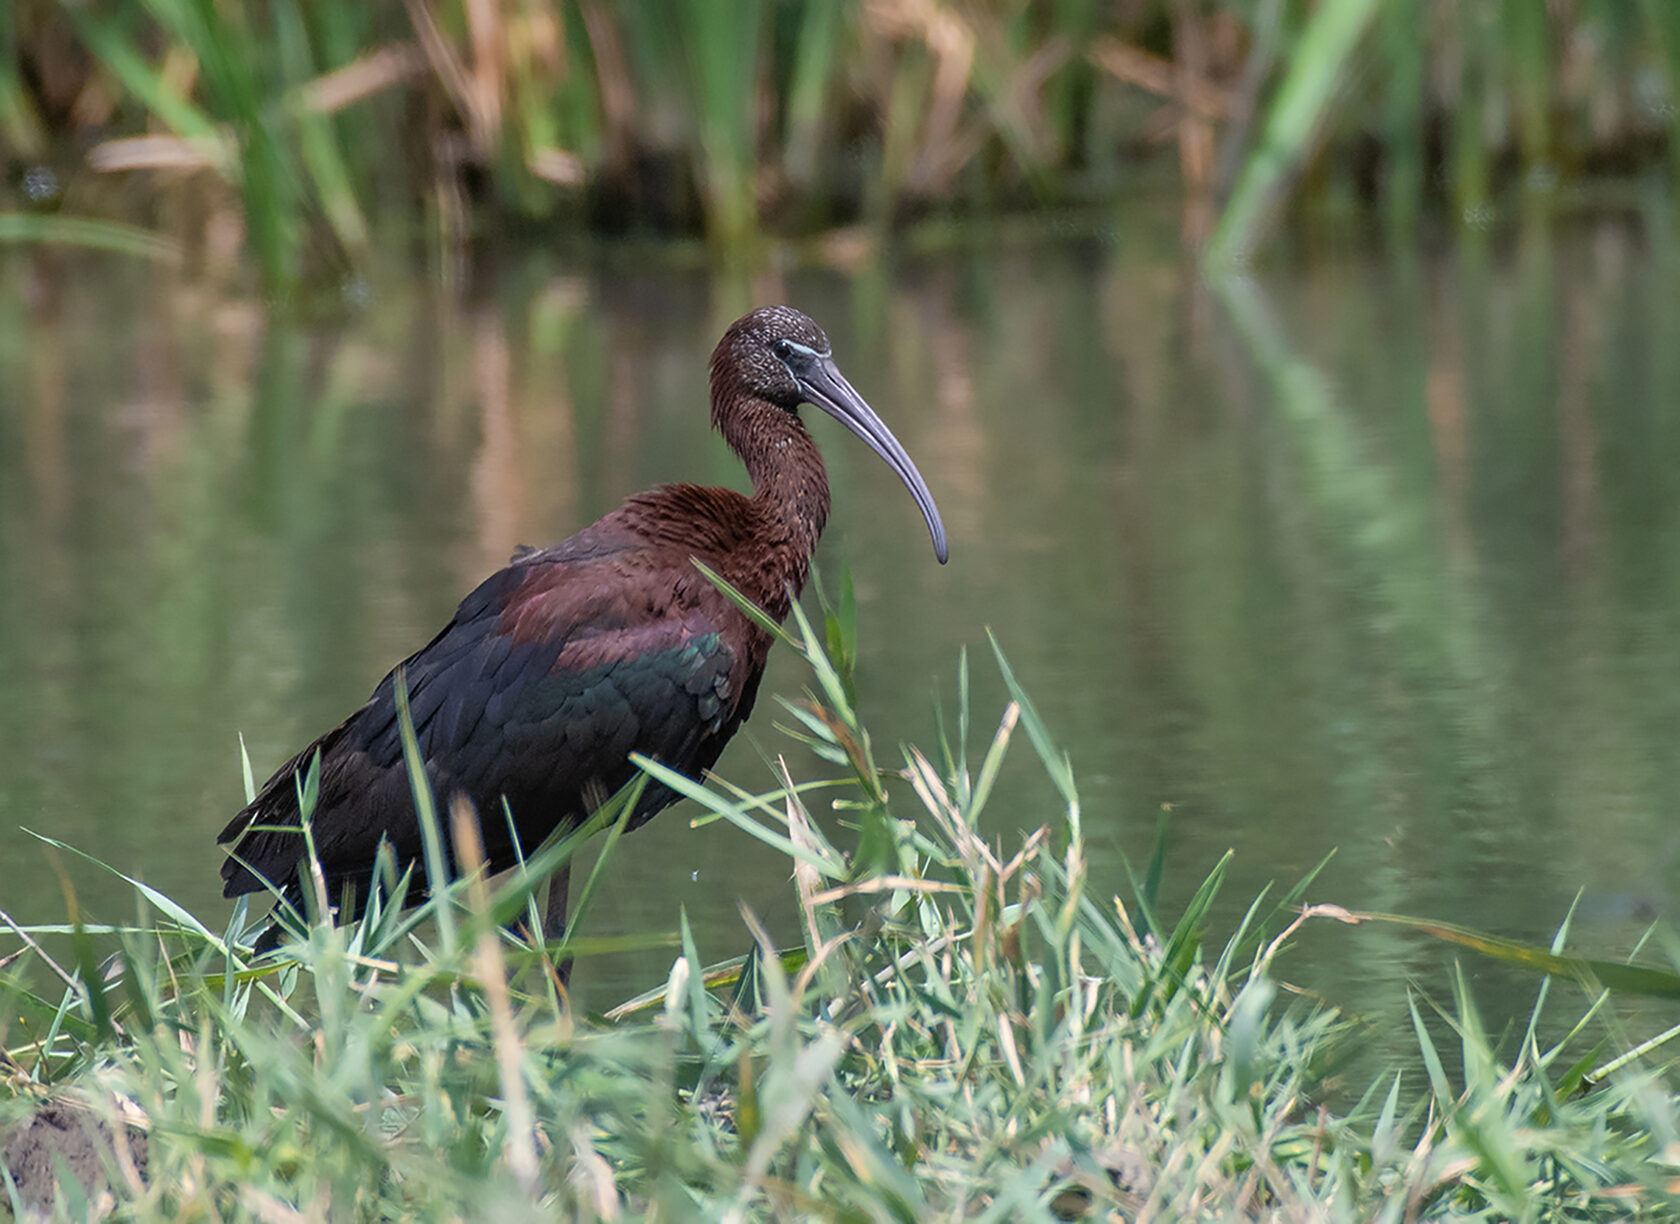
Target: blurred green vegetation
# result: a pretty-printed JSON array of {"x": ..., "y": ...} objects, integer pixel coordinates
[{"x": 312, "y": 125}]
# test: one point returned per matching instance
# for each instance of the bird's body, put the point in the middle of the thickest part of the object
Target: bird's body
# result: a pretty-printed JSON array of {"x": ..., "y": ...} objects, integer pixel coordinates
[{"x": 558, "y": 667}]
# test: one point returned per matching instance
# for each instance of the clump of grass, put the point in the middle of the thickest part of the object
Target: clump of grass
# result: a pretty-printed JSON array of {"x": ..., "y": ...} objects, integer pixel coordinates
[{"x": 966, "y": 1029}]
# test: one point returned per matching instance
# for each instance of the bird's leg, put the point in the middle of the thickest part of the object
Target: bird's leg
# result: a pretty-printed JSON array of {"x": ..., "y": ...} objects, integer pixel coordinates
[{"x": 554, "y": 917}]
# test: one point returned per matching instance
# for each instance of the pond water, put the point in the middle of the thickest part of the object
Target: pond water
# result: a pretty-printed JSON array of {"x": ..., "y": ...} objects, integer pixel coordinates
[{"x": 1375, "y": 552}]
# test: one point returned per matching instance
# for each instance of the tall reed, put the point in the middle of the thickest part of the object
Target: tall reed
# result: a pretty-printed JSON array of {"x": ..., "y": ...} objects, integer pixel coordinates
[{"x": 735, "y": 119}]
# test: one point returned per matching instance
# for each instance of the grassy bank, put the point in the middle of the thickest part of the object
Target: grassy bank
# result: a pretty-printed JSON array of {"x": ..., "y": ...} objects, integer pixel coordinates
[
  {"x": 966, "y": 1029},
  {"x": 296, "y": 130}
]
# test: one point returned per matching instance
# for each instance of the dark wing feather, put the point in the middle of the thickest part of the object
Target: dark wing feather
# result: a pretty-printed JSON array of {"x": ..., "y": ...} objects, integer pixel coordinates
[{"x": 550, "y": 674}]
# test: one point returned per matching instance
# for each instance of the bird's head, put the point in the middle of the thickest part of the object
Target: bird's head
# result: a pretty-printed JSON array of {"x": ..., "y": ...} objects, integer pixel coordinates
[
  {"x": 779, "y": 356},
  {"x": 768, "y": 352}
]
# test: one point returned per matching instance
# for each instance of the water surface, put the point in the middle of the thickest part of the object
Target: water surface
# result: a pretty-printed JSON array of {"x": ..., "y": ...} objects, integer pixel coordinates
[{"x": 1374, "y": 552}]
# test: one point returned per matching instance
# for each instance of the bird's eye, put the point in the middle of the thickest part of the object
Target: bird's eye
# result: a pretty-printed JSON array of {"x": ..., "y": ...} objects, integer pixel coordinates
[{"x": 784, "y": 349}]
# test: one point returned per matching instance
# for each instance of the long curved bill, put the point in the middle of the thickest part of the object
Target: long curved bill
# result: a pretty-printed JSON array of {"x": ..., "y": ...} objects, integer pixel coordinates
[{"x": 828, "y": 389}]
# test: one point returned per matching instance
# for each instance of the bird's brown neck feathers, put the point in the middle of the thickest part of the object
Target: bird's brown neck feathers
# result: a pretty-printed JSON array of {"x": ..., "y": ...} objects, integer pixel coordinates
[
  {"x": 790, "y": 501},
  {"x": 762, "y": 544}
]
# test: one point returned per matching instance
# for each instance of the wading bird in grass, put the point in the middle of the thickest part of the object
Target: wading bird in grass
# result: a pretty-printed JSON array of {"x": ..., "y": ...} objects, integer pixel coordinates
[{"x": 560, "y": 666}]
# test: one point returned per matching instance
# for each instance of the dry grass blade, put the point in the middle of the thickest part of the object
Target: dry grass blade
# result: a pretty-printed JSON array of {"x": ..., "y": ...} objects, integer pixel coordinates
[
  {"x": 363, "y": 77},
  {"x": 806, "y": 878},
  {"x": 925, "y": 781},
  {"x": 162, "y": 153},
  {"x": 520, "y": 1146},
  {"x": 558, "y": 167},
  {"x": 592, "y": 1175},
  {"x": 68, "y": 978},
  {"x": 951, "y": 40},
  {"x": 886, "y": 884},
  {"x": 489, "y": 71},
  {"x": 1160, "y": 76},
  {"x": 447, "y": 66}
]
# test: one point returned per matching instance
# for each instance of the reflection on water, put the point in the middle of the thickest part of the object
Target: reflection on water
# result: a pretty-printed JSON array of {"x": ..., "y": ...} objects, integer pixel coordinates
[{"x": 1374, "y": 554}]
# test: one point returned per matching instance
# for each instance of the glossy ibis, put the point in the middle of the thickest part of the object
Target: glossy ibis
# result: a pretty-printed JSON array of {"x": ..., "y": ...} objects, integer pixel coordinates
[{"x": 558, "y": 667}]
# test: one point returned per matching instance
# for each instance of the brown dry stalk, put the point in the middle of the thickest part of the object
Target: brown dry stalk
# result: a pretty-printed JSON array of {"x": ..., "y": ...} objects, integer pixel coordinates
[
  {"x": 1161, "y": 77},
  {"x": 363, "y": 77},
  {"x": 492, "y": 974}
]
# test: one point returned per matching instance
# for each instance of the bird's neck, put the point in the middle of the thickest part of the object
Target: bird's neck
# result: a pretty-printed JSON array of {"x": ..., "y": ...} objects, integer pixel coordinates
[{"x": 790, "y": 501}]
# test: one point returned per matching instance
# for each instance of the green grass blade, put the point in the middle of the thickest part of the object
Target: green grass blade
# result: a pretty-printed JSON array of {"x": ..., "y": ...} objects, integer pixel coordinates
[
  {"x": 111, "y": 41},
  {"x": 1056, "y": 762},
  {"x": 1644, "y": 980},
  {"x": 165, "y": 905},
  {"x": 736, "y": 814},
  {"x": 90, "y": 233},
  {"x": 425, "y": 811},
  {"x": 752, "y": 611}
]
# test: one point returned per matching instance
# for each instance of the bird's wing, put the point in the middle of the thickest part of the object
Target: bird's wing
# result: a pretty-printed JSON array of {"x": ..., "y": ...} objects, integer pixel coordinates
[{"x": 550, "y": 674}]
